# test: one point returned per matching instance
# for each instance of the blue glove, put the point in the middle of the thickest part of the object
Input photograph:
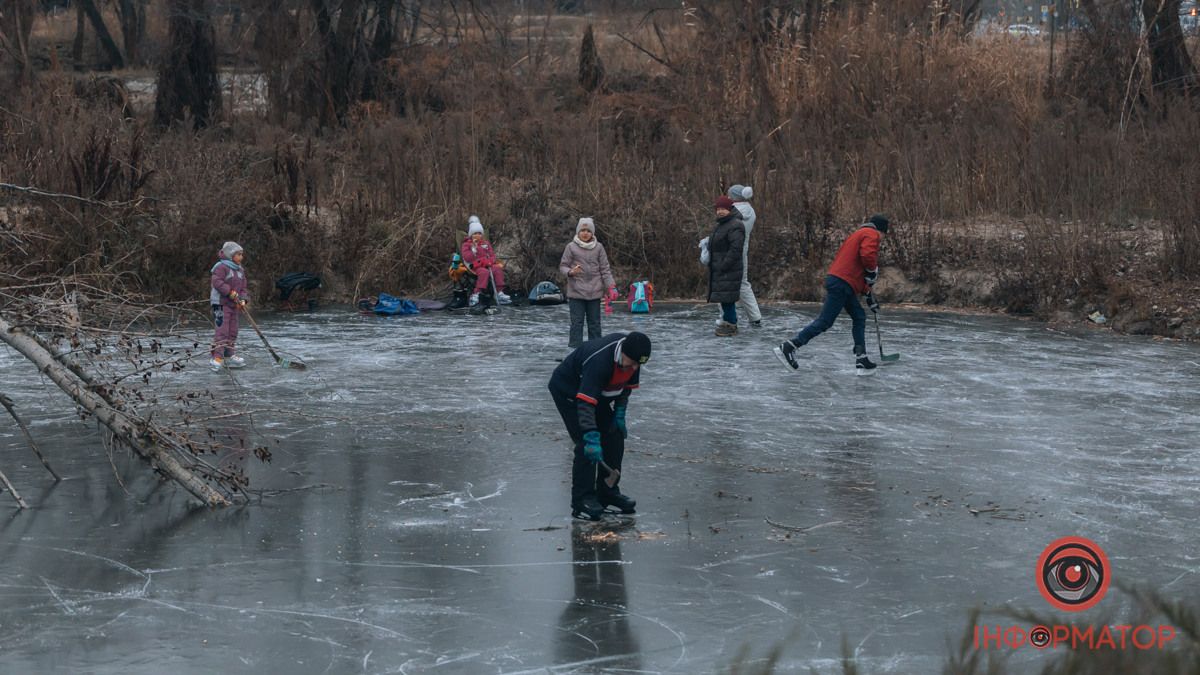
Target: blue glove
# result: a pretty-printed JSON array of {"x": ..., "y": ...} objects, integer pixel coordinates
[
  {"x": 619, "y": 421},
  {"x": 591, "y": 446},
  {"x": 871, "y": 276},
  {"x": 872, "y": 303}
]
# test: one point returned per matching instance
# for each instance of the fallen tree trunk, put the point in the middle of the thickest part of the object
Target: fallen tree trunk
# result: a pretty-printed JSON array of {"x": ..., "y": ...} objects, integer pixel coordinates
[{"x": 124, "y": 427}]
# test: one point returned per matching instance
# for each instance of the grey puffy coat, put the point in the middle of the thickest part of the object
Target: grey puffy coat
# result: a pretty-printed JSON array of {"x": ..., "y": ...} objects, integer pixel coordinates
[
  {"x": 597, "y": 276},
  {"x": 748, "y": 218},
  {"x": 725, "y": 258}
]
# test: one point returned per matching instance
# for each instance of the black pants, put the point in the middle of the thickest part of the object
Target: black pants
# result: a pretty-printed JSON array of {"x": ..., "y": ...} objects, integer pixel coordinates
[
  {"x": 587, "y": 478},
  {"x": 581, "y": 309}
]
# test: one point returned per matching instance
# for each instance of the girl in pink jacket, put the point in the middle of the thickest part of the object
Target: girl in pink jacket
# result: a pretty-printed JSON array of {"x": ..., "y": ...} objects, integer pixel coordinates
[
  {"x": 227, "y": 297},
  {"x": 478, "y": 253}
]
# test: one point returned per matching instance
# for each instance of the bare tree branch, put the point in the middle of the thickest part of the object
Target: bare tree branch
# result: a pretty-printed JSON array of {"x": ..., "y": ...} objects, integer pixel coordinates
[{"x": 8, "y": 405}]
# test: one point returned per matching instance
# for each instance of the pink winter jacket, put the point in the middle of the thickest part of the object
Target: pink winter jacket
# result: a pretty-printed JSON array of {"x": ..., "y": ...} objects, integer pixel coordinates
[{"x": 478, "y": 255}]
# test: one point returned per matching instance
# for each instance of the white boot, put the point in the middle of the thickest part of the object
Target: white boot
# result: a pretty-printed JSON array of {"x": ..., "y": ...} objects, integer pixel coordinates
[
  {"x": 235, "y": 361},
  {"x": 474, "y": 299},
  {"x": 503, "y": 298},
  {"x": 216, "y": 363}
]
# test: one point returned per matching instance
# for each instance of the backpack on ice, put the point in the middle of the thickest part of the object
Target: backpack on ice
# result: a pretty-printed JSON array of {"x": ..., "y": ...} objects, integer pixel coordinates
[
  {"x": 546, "y": 293},
  {"x": 641, "y": 297}
]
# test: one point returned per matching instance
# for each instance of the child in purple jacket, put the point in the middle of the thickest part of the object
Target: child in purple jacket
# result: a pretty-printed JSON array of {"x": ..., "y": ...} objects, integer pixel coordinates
[{"x": 228, "y": 296}]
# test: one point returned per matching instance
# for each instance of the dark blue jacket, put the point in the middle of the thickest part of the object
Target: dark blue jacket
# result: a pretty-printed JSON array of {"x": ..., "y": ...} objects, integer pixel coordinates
[{"x": 591, "y": 376}]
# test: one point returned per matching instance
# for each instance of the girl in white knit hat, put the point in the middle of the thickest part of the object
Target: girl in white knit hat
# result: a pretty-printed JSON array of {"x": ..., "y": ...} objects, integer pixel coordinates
[
  {"x": 589, "y": 278},
  {"x": 227, "y": 297},
  {"x": 479, "y": 254}
]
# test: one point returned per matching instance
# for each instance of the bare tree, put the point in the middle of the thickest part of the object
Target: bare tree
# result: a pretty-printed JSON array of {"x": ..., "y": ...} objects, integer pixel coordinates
[
  {"x": 341, "y": 27},
  {"x": 16, "y": 23},
  {"x": 106, "y": 41},
  {"x": 1171, "y": 69},
  {"x": 132, "y": 14},
  {"x": 188, "y": 85}
]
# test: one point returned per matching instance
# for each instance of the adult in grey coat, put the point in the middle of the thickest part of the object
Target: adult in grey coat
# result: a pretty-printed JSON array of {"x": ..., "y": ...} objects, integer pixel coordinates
[
  {"x": 741, "y": 194},
  {"x": 725, "y": 270},
  {"x": 585, "y": 264}
]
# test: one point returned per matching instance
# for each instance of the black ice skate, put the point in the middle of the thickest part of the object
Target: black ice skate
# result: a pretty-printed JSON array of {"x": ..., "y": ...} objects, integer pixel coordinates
[
  {"x": 618, "y": 501},
  {"x": 786, "y": 353},
  {"x": 587, "y": 509}
]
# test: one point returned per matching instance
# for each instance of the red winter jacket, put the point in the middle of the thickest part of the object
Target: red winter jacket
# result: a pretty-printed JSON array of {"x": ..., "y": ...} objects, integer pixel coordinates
[
  {"x": 478, "y": 255},
  {"x": 858, "y": 254}
]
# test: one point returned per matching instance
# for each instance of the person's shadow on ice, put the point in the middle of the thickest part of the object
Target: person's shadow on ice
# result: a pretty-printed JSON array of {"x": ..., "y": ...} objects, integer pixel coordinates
[{"x": 594, "y": 627}]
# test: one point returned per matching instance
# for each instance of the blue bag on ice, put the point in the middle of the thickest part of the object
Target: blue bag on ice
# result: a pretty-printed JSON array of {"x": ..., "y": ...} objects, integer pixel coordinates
[{"x": 389, "y": 305}]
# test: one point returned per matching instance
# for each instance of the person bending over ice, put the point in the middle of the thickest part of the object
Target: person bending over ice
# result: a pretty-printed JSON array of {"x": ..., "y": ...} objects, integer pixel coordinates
[{"x": 591, "y": 390}]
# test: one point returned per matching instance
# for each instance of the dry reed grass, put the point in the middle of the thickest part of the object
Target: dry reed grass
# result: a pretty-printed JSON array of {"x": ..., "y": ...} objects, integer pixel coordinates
[{"x": 925, "y": 125}]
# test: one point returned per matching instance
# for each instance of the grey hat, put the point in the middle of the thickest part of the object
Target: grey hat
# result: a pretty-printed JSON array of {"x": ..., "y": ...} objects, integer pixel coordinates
[
  {"x": 585, "y": 223},
  {"x": 473, "y": 226},
  {"x": 230, "y": 249},
  {"x": 741, "y": 193}
]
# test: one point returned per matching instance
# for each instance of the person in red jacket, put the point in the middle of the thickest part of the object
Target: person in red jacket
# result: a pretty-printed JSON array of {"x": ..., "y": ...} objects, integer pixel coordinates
[{"x": 853, "y": 273}]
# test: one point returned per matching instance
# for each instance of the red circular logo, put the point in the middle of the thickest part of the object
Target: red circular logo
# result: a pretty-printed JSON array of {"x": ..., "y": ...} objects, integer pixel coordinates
[{"x": 1073, "y": 574}]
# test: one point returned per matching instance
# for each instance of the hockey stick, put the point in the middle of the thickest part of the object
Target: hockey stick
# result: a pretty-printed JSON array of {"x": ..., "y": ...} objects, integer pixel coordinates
[
  {"x": 282, "y": 361},
  {"x": 884, "y": 358},
  {"x": 495, "y": 293}
]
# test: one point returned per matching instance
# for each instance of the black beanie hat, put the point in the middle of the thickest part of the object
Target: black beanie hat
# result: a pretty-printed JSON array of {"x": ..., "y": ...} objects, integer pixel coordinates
[
  {"x": 880, "y": 222},
  {"x": 636, "y": 346}
]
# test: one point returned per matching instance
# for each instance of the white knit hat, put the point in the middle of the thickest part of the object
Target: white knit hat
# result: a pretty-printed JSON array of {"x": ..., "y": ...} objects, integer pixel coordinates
[
  {"x": 473, "y": 226},
  {"x": 230, "y": 249}
]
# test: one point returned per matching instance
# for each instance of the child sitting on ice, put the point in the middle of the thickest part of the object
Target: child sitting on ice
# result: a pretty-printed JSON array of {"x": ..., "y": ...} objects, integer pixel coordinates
[{"x": 479, "y": 254}]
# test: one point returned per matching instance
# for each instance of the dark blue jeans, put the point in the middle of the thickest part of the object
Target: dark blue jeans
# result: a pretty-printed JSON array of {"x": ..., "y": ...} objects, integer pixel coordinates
[
  {"x": 838, "y": 296},
  {"x": 729, "y": 312}
]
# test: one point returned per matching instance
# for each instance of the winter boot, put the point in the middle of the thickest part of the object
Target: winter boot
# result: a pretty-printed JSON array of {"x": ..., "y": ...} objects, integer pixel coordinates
[
  {"x": 618, "y": 501},
  {"x": 862, "y": 365},
  {"x": 757, "y": 323},
  {"x": 235, "y": 361},
  {"x": 726, "y": 329},
  {"x": 216, "y": 363},
  {"x": 502, "y": 298},
  {"x": 786, "y": 353},
  {"x": 587, "y": 508},
  {"x": 474, "y": 299}
]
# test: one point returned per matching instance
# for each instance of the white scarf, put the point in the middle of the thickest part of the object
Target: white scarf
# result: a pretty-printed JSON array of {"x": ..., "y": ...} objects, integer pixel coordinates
[{"x": 587, "y": 246}]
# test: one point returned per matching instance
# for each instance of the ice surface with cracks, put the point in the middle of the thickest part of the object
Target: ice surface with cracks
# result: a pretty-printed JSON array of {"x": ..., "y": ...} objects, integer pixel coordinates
[{"x": 896, "y": 503}]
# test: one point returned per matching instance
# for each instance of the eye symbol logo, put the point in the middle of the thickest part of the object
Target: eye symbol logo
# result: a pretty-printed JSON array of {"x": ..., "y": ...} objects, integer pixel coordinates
[{"x": 1073, "y": 574}]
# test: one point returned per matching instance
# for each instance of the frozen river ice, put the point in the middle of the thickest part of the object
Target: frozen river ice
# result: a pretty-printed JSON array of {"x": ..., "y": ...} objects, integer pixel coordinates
[{"x": 445, "y": 543}]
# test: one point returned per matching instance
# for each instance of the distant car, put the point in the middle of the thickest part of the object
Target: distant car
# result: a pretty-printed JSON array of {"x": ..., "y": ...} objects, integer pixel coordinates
[{"x": 1023, "y": 30}]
